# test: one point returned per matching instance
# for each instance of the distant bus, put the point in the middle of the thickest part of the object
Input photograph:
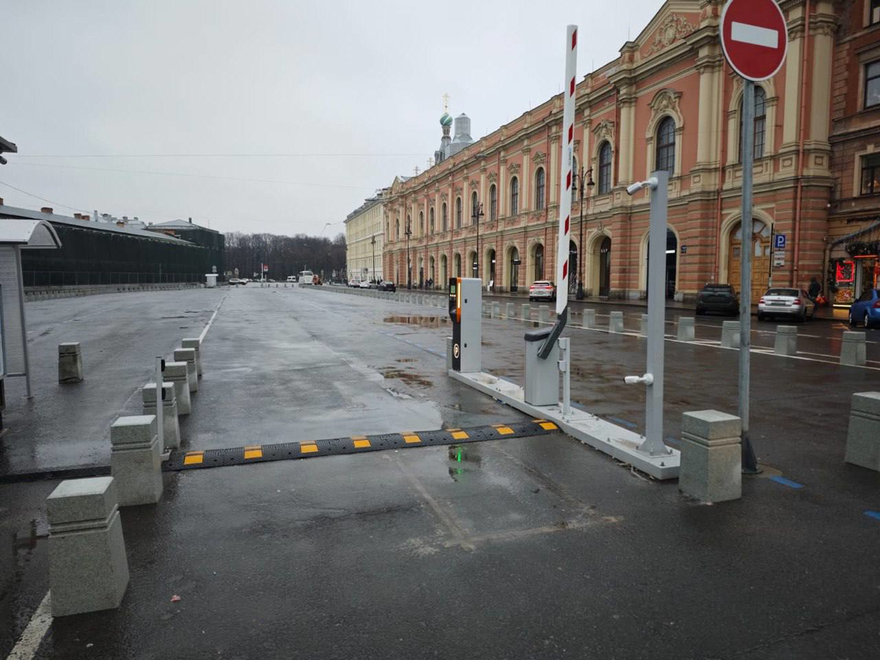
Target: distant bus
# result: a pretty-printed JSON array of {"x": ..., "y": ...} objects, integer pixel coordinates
[{"x": 306, "y": 277}]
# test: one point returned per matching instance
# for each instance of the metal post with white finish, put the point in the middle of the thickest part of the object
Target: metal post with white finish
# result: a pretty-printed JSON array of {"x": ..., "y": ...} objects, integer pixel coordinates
[
  {"x": 653, "y": 379},
  {"x": 565, "y": 368}
]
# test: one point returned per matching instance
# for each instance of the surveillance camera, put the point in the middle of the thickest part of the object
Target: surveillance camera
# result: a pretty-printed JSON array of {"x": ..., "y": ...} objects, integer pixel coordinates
[{"x": 633, "y": 188}]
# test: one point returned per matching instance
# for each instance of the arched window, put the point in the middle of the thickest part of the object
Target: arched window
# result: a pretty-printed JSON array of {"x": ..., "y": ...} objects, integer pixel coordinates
[
  {"x": 760, "y": 122},
  {"x": 431, "y": 220},
  {"x": 408, "y": 229},
  {"x": 475, "y": 209},
  {"x": 605, "y": 168},
  {"x": 666, "y": 145},
  {"x": 493, "y": 203},
  {"x": 397, "y": 228},
  {"x": 514, "y": 196},
  {"x": 458, "y": 212},
  {"x": 539, "y": 189},
  {"x": 421, "y": 223},
  {"x": 445, "y": 217},
  {"x": 575, "y": 172}
]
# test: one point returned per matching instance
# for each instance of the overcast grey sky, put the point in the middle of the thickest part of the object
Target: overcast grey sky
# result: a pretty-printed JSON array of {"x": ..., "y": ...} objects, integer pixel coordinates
[{"x": 343, "y": 95}]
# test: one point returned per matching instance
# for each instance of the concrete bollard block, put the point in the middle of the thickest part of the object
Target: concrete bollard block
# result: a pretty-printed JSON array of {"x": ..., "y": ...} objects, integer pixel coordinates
[
  {"x": 88, "y": 569},
  {"x": 852, "y": 350},
  {"x": 449, "y": 354},
  {"x": 496, "y": 310},
  {"x": 543, "y": 314},
  {"x": 615, "y": 323},
  {"x": 510, "y": 311},
  {"x": 136, "y": 460},
  {"x": 643, "y": 325},
  {"x": 70, "y": 364},
  {"x": 484, "y": 309},
  {"x": 170, "y": 423},
  {"x": 589, "y": 318},
  {"x": 177, "y": 373},
  {"x": 730, "y": 334},
  {"x": 685, "y": 329},
  {"x": 188, "y": 355},
  {"x": 786, "y": 340},
  {"x": 526, "y": 311},
  {"x": 196, "y": 344},
  {"x": 863, "y": 436},
  {"x": 711, "y": 456}
]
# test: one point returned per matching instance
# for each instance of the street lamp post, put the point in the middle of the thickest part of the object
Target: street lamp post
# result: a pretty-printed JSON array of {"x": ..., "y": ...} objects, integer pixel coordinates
[
  {"x": 478, "y": 213},
  {"x": 407, "y": 233},
  {"x": 579, "y": 176},
  {"x": 373, "y": 245}
]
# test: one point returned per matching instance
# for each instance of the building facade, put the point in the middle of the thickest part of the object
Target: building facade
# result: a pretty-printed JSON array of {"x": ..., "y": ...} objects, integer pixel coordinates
[
  {"x": 669, "y": 101},
  {"x": 853, "y": 247},
  {"x": 365, "y": 241}
]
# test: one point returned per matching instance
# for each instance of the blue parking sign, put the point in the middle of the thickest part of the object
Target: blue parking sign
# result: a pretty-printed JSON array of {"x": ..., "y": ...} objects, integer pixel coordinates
[{"x": 779, "y": 241}]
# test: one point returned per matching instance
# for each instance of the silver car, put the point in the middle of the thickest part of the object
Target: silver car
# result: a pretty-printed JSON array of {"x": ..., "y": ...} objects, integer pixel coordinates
[{"x": 784, "y": 302}]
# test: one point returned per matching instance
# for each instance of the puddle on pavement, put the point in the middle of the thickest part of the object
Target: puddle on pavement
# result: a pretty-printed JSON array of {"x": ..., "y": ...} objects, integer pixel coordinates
[
  {"x": 406, "y": 376},
  {"x": 463, "y": 460},
  {"x": 423, "y": 321},
  {"x": 27, "y": 541}
]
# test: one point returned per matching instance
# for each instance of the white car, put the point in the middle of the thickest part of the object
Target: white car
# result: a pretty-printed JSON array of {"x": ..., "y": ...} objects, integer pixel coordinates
[
  {"x": 365, "y": 284},
  {"x": 790, "y": 303},
  {"x": 291, "y": 278}
]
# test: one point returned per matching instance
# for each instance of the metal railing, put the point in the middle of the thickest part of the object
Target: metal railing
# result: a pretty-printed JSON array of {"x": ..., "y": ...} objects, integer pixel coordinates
[{"x": 58, "y": 279}]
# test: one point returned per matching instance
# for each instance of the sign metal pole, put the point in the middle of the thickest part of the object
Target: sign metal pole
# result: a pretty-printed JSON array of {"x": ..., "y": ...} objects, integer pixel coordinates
[{"x": 749, "y": 462}]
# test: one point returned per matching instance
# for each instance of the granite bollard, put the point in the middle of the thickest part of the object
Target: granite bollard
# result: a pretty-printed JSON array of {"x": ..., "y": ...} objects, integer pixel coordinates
[
  {"x": 496, "y": 310},
  {"x": 786, "y": 340},
  {"x": 643, "y": 325},
  {"x": 852, "y": 350},
  {"x": 526, "y": 311},
  {"x": 863, "y": 435},
  {"x": 685, "y": 329},
  {"x": 589, "y": 319},
  {"x": 170, "y": 423},
  {"x": 510, "y": 311},
  {"x": 196, "y": 344},
  {"x": 70, "y": 364},
  {"x": 136, "y": 460},
  {"x": 543, "y": 314},
  {"x": 615, "y": 323},
  {"x": 711, "y": 456},
  {"x": 177, "y": 373},
  {"x": 730, "y": 334},
  {"x": 88, "y": 569},
  {"x": 188, "y": 355}
]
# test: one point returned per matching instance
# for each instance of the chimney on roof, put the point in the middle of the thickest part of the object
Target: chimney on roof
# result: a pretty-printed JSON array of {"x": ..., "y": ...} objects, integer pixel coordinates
[
  {"x": 46, "y": 209},
  {"x": 1, "y": 201},
  {"x": 95, "y": 212},
  {"x": 190, "y": 221}
]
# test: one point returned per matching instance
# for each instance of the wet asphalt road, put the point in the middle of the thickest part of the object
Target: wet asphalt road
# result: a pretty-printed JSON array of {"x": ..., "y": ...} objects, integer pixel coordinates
[{"x": 527, "y": 548}]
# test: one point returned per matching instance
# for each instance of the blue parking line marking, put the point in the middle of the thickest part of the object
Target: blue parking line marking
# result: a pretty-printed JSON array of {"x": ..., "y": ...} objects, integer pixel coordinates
[
  {"x": 617, "y": 420},
  {"x": 786, "y": 482},
  {"x": 873, "y": 514}
]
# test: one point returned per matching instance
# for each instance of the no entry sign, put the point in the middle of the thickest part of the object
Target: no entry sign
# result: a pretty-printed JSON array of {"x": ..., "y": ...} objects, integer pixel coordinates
[{"x": 754, "y": 37}]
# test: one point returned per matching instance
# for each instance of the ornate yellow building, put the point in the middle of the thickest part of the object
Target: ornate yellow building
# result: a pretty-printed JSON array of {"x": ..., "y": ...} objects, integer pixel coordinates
[{"x": 365, "y": 240}]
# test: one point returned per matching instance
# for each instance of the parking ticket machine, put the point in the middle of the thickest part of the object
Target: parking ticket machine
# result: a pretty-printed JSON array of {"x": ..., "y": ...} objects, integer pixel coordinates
[{"x": 465, "y": 310}]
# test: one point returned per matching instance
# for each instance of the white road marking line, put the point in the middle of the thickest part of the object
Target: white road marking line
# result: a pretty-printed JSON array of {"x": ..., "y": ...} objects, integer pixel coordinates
[
  {"x": 755, "y": 35},
  {"x": 211, "y": 320},
  {"x": 27, "y": 646}
]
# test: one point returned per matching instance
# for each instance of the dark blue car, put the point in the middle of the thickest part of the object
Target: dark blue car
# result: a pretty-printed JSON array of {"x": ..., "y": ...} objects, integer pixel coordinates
[{"x": 866, "y": 310}]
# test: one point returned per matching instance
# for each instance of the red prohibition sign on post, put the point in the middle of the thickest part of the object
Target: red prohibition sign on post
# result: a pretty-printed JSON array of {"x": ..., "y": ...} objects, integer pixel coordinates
[{"x": 754, "y": 37}]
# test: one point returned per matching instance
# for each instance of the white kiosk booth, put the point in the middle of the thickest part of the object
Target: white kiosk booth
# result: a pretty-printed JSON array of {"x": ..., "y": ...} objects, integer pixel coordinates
[{"x": 17, "y": 235}]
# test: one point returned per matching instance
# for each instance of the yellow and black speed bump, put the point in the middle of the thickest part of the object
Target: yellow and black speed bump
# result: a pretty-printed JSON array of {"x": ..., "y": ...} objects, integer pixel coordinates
[{"x": 209, "y": 458}]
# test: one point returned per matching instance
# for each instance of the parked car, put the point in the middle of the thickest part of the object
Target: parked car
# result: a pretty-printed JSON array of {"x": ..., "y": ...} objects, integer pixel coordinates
[
  {"x": 866, "y": 310},
  {"x": 353, "y": 283},
  {"x": 234, "y": 281},
  {"x": 543, "y": 289},
  {"x": 365, "y": 284},
  {"x": 291, "y": 278},
  {"x": 718, "y": 298},
  {"x": 791, "y": 303},
  {"x": 387, "y": 285}
]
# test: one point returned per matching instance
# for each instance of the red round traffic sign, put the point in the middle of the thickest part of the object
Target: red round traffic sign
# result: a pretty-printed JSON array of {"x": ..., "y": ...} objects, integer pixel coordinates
[{"x": 754, "y": 37}]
